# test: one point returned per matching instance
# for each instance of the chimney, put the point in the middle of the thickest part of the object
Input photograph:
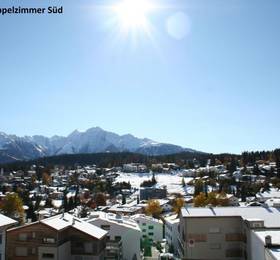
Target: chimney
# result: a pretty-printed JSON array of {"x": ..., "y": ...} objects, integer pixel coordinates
[
  {"x": 73, "y": 221},
  {"x": 268, "y": 241}
]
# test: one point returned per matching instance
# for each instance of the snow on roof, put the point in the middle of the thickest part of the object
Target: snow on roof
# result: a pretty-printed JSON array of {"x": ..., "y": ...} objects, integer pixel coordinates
[
  {"x": 62, "y": 221},
  {"x": 5, "y": 221},
  {"x": 173, "y": 219},
  {"x": 127, "y": 222},
  {"x": 145, "y": 217},
  {"x": 275, "y": 239},
  {"x": 273, "y": 193},
  {"x": 270, "y": 216}
]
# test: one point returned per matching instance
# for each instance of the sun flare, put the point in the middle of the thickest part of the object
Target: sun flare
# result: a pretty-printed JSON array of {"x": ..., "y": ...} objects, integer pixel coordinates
[{"x": 133, "y": 14}]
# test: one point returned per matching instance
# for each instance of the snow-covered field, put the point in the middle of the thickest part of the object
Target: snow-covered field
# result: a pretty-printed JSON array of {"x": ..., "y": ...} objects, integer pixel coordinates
[{"x": 173, "y": 182}]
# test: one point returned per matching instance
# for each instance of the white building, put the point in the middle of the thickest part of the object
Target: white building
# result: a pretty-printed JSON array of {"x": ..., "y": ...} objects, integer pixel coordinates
[
  {"x": 5, "y": 223},
  {"x": 124, "y": 234},
  {"x": 172, "y": 232},
  {"x": 151, "y": 228},
  {"x": 266, "y": 245}
]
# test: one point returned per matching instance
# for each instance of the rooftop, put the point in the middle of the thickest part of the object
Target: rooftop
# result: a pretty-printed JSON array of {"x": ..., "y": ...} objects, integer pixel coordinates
[
  {"x": 62, "y": 221},
  {"x": 270, "y": 216},
  {"x": 5, "y": 221},
  {"x": 113, "y": 218},
  {"x": 275, "y": 239}
]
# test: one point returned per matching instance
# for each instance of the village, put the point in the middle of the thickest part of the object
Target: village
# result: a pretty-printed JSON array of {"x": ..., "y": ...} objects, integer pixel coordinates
[{"x": 138, "y": 212}]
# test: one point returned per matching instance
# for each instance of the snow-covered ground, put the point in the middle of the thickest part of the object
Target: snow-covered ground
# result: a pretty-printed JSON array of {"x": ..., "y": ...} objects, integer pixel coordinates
[{"x": 173, "y": 182}]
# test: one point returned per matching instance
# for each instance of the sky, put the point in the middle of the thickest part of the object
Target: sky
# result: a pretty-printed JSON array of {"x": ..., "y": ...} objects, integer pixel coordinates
[{"x": 201, "y": 74}]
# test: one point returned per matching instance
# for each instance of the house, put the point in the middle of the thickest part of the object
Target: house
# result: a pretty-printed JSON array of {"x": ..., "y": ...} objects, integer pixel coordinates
[
  {"x": 125, "y": 209},
  {"x": 5, "y": 223},
  {"x": 223, "y": 232},
  {"x": 147, "y": 193},
  {"x": 134, "y": 167},
  {"x": 123, "y": 238},
  {"x": 271, "y": 194},
  {"x": 60, "y": 237},
  {"x": 151, "y": 228}
]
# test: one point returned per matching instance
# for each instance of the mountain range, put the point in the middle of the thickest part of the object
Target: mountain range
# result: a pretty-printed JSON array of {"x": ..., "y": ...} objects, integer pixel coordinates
[{"x": 93, "y": 140}]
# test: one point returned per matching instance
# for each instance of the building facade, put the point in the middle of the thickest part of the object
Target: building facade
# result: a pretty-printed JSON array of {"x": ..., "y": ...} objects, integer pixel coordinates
[
  {"x": 223, "y": 232},
  {"x": 5, "y": 223},
  {"x": 123, "y": 238},
  {"x": 58, "y": 238}
]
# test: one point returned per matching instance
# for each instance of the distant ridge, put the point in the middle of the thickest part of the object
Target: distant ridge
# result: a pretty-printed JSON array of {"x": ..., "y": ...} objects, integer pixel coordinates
[{"x": 93, "y": 140}]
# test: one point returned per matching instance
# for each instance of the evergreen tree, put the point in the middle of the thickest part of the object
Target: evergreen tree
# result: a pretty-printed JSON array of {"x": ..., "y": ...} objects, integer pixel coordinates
[
  {"x": 198, "y": 187},
  {"x": 123, "y": 199},
  {"x": 183, "y": 182},
  {"x": 71, "y": 203},
  {"x": 65, "y": 203},
  {"x": 278, "y": 167}
]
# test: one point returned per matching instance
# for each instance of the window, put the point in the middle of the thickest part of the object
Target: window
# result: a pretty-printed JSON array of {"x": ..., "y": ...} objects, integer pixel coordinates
[
  {"x": 150, "y": 233},
  {"x": 215, "y": 246},
  {"x": 21, "y": 251},
  {"x": 0, "y": 239},
  {"x": 88, "y": 247},
  {"x": 198, "y": 237},
  {"x": 151, "y": 227},
  {"x": 79, "y": 244},
  {"x": 33, "y": 251},
  {"x": 49, "y": 240},
  {"x": 105, "y": 227},
  {"x": 144, "y": 230},
  {"x": 33, "y": 235},
  {"x": 22, "y": 236},
  {"x": 234, "y": 237},
  {"x": 47, "y": 255},
  {"x": 214, "y": 230},
  {"x": 144, "y": 224},
  {"x": 234, "y": 252},
  {"x": 118, "y": 238}
]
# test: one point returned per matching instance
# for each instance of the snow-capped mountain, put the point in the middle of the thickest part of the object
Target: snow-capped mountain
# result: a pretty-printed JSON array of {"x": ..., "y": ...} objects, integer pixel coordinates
[{"x": 93, "y": 140}]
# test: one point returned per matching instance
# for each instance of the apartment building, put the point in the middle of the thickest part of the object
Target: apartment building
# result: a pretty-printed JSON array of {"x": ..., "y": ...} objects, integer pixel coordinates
[
  {"x": 5, "y": 223},
  {"x": 58, "y": 238},
  {"x": 123, "y": 238},
  {"x": 223, "y": 232},
  {"x": 151, "y": 228},
  {"x": 172, "y": 232}
]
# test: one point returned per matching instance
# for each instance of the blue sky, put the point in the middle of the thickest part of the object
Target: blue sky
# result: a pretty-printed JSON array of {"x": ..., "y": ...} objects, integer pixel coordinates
[{"x": 215, "y": 90}]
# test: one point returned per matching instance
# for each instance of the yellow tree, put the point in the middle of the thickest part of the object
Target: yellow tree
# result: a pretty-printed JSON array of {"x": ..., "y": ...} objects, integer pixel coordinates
[
  {"x": 13, "y": 206},
  {"x": 212, "y": 198},
  {"x": 223, "y": 200},
  {"x": 46, "y": 178},
  {"x": 178, "y": 204},
  {"x": 200, "y": 200},
  {"x": 153, "y": 208}
]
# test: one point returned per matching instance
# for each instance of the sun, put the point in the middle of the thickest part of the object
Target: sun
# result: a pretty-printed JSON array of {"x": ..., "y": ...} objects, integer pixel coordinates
[{"x": 133, "y": 14}]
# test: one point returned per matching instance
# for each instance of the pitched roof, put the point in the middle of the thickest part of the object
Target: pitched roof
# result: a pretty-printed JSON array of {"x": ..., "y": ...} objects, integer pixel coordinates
[
  {"x": 5, "y": 221},
  {"x": 62, "y": 221}
]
